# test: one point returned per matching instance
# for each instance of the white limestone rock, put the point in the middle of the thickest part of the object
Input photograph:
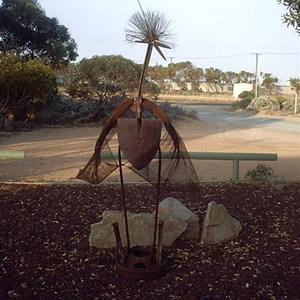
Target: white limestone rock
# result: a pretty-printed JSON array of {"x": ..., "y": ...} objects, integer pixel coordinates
[
  {"x": 172, "y": 209},
  {"x": 141, "y": 227},
  {"x": 219, "y": 226}
]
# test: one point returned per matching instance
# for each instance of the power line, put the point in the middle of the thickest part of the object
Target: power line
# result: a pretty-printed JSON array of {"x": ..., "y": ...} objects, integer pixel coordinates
[
  {"x": 235, "y": 55},
  {"x": 281, "y": 53},
  {"x": 212, "y": 57}
]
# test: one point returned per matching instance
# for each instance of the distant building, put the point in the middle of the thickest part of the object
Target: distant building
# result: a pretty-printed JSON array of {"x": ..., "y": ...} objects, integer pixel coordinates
[
  {"x": 235, "y": 89},
  {"x": 282, "y": 90},
  {"x": 238, "y": 88},
  {"x": 202, "y": 87},
  {"x": 285, "y": 90}
]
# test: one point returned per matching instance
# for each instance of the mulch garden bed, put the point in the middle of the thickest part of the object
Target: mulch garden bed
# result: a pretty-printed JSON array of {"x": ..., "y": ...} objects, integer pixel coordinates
[{"x": 45, "y": 253}]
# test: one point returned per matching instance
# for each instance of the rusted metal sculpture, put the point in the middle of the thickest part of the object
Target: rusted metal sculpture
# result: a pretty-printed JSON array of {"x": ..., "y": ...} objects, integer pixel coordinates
[{"x": 140, "y": 140}]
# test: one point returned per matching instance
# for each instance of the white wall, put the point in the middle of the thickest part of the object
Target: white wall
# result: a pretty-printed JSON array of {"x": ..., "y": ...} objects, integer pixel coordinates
[{"x": 241, "y": 87}]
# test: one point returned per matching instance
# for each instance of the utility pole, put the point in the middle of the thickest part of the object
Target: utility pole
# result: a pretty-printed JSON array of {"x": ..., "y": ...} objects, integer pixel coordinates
[
  {"x": 171, "y": 80},
  {"x": 296, "y": 100},
  {"x": 256, "y": 73}
]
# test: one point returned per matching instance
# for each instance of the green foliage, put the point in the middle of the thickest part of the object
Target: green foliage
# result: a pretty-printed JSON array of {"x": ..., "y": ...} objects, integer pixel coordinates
[
  {"x": 24, "y": 84},
  {"x": 247, "y": 95},
  {"x": 213, "y": 78},
  {"x": 280, "y": 99},
  {"x": 158, "y": 74},
  {"x": 65, "y": 76},
  {"x": 245, "y": 77},
  {"x": 246, "y": 98},
  {"x": 26, "y": 30},
  {"x": 184, "y": 73},
  {"x": 260, "y": 173},
  {"x": 292, "y": 16},
  {"x": 173, "y": 111},
  {"x": 295, "y": 83},
  {"x": 104, "y": 77},
  {"x": 216, "y": 79},
  {"x": 151, "y": 89},
  {"x": 269, "y": 82},
  {"x": 176, "y": 112}
]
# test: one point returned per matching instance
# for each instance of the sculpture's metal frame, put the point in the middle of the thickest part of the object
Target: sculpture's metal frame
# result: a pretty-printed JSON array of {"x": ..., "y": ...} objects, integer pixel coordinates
[{"x": 139, "y": 141}]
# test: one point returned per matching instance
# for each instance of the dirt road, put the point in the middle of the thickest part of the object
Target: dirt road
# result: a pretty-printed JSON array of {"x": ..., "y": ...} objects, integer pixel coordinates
[{"x": 57, "y": 154}]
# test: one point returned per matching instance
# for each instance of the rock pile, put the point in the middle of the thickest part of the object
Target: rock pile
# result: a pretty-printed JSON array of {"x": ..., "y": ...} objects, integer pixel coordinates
[
  {"x": 179, "y": 222},
  {"x": 141, "y": 226},
  {"x": 271, "y": 104},
  {"x": 263, "y": 103}
]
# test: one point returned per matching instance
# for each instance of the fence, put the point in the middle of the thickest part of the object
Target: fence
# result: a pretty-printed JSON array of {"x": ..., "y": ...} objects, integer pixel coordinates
[{"x": 233, "y": 156}]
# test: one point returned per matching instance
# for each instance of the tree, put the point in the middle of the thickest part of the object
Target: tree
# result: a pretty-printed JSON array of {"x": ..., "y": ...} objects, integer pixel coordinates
[
  {"x": 65, "y": 76},
  {"x": 269, "y": 82},
  {"x": 194, "y": 75},
  {"x": 295, "y": 83},
  {"x": 26, "y": 30},
  {"x": 103, "y": 78},
  {"x": 171, "y": 72},
  {"x": 183, "y": 74},
  {"x": 230, "y": 77},
  {"x": 179, "y": 77},
  {"x": 151, "y": 89},
  {"x": 24, "y": 84},
  {"x": 245, "y": 77},
  {"x": 158, "y": 74},
  {"x": 213, "y": 78},
  {"x": 292, "y": 16}
]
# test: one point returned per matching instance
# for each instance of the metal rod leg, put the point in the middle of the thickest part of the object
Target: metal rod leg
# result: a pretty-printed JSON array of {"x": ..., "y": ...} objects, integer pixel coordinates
[
  {"x": 159, "y": 242},
  {"x": 119, "y": 242},
  {"x": 123, "y": 199},
  {"x": 157, "y": 202}
]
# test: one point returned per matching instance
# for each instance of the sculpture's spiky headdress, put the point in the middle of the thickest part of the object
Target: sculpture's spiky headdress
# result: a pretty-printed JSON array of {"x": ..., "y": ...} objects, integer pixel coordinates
[{"x": 151, "y": 28}]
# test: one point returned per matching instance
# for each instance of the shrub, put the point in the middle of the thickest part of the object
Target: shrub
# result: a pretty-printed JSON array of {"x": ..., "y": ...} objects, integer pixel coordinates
[
  {"x": 24, "y": 85},
  {"x": 264, "y": 103},
  {"x": 176, "y": 112},
  {"x": 151, "y": 89},
  {"x": 247, "y": 95},
  {"x": 280, "y": 99},
  {"x": 260, "y": 173},
  {"x": 246, "y": 98}
]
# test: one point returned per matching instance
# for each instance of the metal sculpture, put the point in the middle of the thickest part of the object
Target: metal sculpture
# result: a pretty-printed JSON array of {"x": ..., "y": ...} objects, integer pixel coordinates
[{"x": 140, "y": 140}]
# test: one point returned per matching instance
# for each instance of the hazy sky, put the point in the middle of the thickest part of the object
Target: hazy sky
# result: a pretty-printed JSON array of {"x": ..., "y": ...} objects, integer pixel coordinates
[{"x": 212, "y": 33}]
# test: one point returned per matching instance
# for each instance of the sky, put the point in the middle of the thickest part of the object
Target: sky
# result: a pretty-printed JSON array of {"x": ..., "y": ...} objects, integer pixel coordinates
[{"x": 209, "y": 33}]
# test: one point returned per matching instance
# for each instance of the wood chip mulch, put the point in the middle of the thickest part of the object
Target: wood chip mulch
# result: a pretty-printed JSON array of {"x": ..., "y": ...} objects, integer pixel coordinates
[{"x": 45, "y": 254}]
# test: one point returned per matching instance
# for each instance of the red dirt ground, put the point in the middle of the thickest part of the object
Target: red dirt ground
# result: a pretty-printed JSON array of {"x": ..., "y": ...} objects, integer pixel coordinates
[{"x": 45, "y": 253}]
